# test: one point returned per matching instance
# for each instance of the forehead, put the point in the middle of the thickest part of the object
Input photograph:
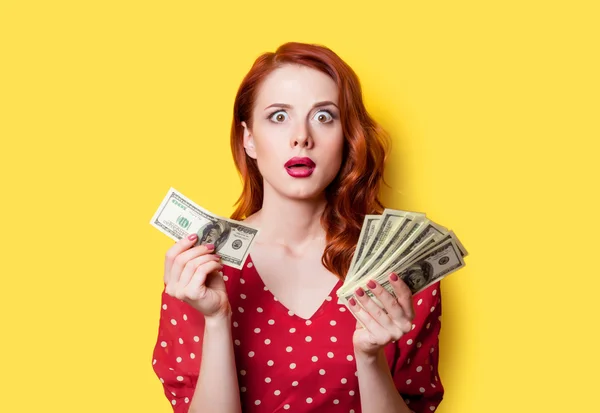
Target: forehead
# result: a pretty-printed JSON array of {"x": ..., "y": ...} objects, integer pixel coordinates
[{"x": 296, "y": 85}]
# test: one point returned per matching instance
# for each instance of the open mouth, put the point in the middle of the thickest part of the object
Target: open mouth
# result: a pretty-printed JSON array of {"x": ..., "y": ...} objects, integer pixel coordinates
[{"x": 300, "y": 167}]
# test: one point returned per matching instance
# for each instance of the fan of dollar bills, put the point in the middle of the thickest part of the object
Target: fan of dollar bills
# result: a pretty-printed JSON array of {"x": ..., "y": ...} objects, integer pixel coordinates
[
  {"x": 420, "y": 251},
  {"x": 417, "y": 249}
]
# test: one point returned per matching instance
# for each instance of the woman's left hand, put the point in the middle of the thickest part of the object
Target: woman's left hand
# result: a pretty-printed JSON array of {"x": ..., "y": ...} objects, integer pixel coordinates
[{"x": 381, "y": 328}]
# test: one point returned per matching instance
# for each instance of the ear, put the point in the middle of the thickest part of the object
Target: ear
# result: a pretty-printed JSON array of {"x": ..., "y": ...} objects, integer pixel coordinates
[{"x": 249, "y": 142}]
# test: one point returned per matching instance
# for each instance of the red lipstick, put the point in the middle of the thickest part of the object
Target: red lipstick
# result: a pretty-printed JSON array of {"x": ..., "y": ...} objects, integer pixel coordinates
[{"x": 300, "y": 167}]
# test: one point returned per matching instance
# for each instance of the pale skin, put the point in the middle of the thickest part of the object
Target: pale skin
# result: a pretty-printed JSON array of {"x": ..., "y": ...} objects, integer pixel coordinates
[{"x": 293, "y": 240}]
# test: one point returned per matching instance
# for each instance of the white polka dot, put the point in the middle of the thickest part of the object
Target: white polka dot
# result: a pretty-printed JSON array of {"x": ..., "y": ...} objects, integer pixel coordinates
[
  {"x": 435, "y": 378},
  {"x": 322, "y": 390},
  {"x": 196, "y": 339},
  {"x": 277, "y": 392},
  {"x": 288, "y": 349},
  {"x": 333, "y": 339},
  {"x": 413, "y": 327},
  {"x": 332, "y": 322},
  {"x": 257, "y": 402},
  {"x": 257, "y": 330},
  {"x": 243, "y": 390},
  {"x": 187, "y": 400},
  {"x": 433, "y": 385},
  {"x": 330, "y": 355},
  {"x": 178, "y": 359},
  {"x": 243, "y": 372},
  {"x": 174, "y": 402},
  {"x": 164, "y": 306},
  {"x": 322, "y": 372},
  {"x": 251, "y": 354},
  {"x": 237, "y": 342},
  {"x": 267, "y": 341},
  {"x": 428, "y": 324},
  {"x": 349, "y": 357},
  {"x": 314, "y": 358},
  {"x": 260, "y": 310},
  {"x": 419, "y": 344},
  {"x": 163, "y": 343},
  {"x": 180, "y": 341},
  {"x": 431, "y": 350},
  {"x": 185, "y": 317},
  {"x": 351, "y": 392},
  {"x": 268, "y": 380},
  {"x": 432, "y": 408},
  {"x": 174, "y": 322},
  {"x": 161, "y": 380},
  {"x": 242, "y": 281},
  {"x": 192, "y": 356},
  {"x": 432, "y": 309},
  {"x": 419, "y": 369},
  {"x": 286, "y": 407},
  {"x": 344, "y": 380},
  {"x": 351, "y": 410},
  {"x": 309, "y": 400},
  {"x": 408, "y": 360},
  {"x": 342, "y": 309},
  {"x": 291, "y": 313},
  {"x": 243, "y": 296},
  {"x": 328, "y": 298},
  {"x": 356, "y": 373},
  {"x": 235, "y": 324},
  {"x": 292, "y": 366},
  {"x": 308, "y": 322},
  {"x": 408, "y": 381},
  {"x": 420, "y": 301},
  {"x": 225, "y": 278},
  {"x": 292, "y": 330},
  {"x": 434, "y": 292},
  {"x": 409, "y": 341},
  {"x": 153, "y": 362},
  {"x": 271, "y": 322},
  {"x": 336, "y": 401},
  {"x": 179, "y": 378},
  {"x": 270, "y": 363},
  {"x": 275, "y": 298},
  {"x": 421, "y": 389},
  {"x": 294, "y": 383},
  {"x": 249, "y": 265},
  {"x": 240, "y": 309},
  {"x": 308, "y": 339}
]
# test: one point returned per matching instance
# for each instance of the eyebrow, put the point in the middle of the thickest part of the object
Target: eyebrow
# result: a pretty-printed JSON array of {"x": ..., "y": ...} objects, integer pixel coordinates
[{"x": 316, "y": 105}]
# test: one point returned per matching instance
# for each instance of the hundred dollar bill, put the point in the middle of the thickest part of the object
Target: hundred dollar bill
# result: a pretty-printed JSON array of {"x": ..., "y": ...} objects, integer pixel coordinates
[
  {"x": 178, "y": 216},
  {"x": 424, "y": 270}
]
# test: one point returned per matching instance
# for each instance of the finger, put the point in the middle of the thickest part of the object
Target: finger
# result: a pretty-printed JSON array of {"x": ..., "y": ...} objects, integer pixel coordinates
[
  {"x": 172, "y": 253},
  {"x": 403, "y": 295},
  {"x": 190, "y": 269},
  {"x": 378, "y": 313},
  {"x": 182, "y": 259},
  {"x": 378, "y": 333},
  {"x": 194, "y": 288},
  {"x": 390, "y": 304}
]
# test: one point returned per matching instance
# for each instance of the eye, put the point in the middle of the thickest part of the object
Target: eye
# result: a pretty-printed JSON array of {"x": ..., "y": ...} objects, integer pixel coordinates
[
  {"x": 319, "y": 116},
  {"x": 278, "y": 117}
]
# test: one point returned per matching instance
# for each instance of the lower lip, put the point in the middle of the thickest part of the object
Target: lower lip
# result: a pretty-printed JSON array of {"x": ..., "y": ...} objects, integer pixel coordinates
[{"x": 301, "y": 172}]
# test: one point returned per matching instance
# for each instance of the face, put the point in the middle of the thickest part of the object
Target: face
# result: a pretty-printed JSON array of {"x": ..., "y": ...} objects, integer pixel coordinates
[
  {"x": 296, "y": 136},
  {"x": 212, "y": 236}
]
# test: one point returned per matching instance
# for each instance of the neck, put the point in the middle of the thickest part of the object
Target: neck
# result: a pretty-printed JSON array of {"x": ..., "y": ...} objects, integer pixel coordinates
[{"x": 292, "y": 223}]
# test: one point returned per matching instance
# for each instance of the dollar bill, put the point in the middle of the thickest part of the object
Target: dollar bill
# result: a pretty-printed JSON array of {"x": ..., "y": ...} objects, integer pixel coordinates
[
  {"x": 366, "y": 234},
  {"x": 178, "y": 216}
]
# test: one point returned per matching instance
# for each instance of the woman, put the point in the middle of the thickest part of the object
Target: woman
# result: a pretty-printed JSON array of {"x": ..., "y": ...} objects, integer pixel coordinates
[{"x": 272, "y": 337}]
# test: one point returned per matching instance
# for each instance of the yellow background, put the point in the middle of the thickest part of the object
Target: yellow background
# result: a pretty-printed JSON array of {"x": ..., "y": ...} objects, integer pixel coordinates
[{"x": 493, "y": 108}]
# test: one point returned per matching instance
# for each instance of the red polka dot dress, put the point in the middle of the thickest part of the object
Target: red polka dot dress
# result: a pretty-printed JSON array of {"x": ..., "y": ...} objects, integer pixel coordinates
[{"x": 286, "y": 363}]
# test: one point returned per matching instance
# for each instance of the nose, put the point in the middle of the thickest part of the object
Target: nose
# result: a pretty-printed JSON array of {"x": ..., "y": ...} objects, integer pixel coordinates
[{"x": 302, "y": 138}]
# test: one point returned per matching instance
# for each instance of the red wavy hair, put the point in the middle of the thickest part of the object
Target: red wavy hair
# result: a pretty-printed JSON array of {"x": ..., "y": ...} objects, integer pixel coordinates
[{"x": 354, "y": 191}]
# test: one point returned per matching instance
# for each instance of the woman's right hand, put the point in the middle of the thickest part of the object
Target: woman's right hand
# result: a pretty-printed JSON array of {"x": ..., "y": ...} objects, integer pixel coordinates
[{"x": 192, "y": 275}]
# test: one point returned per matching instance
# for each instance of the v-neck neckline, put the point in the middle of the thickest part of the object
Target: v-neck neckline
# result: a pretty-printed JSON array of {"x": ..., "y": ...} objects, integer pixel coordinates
[{"x": 290, "y": 313}]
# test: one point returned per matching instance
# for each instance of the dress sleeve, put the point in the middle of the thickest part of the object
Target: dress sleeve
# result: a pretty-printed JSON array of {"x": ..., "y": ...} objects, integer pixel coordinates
[
  {"x": 415, "y": 369},
  {"x": 177, "y": 352}
]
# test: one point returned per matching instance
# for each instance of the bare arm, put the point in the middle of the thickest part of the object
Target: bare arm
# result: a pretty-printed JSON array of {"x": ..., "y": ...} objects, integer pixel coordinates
[
  {"x": 217, "y": 388},
  {"x": 378, "y": 394}
]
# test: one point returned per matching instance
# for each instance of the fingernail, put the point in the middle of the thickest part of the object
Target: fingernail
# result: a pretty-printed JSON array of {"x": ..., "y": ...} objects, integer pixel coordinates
[
  {"x": 393, "y": 277},
  {"x": 360, "y": 292},
  {"x": 192, "y": 237},
  {"x": 210, "y": 246},
  {"x": 352, "y": 301},
  {"x": 371, "y": 284}
]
